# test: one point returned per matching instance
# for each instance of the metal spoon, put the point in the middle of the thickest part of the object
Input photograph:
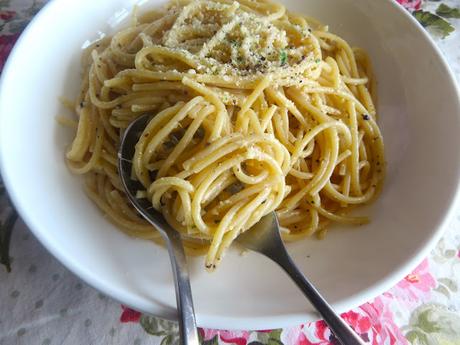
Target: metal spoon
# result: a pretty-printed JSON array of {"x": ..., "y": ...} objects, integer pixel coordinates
[
  {"x": 264, "y": 237},
  {"x": 187, "y": 324}
]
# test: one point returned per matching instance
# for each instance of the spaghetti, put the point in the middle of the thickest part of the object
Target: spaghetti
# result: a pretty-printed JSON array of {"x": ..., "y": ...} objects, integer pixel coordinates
[{"x": 254, "y": 109}]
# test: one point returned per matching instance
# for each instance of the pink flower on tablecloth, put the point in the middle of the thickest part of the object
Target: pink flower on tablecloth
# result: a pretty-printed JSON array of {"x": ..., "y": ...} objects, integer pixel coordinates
[
  {"x": 411, "y": 5},
  {"x": 314, "y": 333},
  {"x": 129, "y": 315},
  {"x": 7, "y": 15},
  {"x": 6, "y": 44},
  {"x": 415, "y": 286},
  {"x": 229, "y": 337},
  {"x": 383, "y": 330},
  {"x": 302, "y": 340},
  {"x": 373, "y": 321},
  {"x": 322, "y": 331},
  {"x": 360, "y": 323}
]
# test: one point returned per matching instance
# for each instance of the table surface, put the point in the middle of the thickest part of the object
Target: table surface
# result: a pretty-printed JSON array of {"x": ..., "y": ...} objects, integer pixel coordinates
[{"x": 42, "y": 303}]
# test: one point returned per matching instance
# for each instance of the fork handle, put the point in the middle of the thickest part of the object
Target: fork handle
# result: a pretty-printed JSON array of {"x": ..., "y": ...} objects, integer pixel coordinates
[{"x": 343, "y": 332}]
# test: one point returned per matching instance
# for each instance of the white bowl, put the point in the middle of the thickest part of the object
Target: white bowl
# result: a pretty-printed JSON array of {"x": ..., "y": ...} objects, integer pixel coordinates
[{"x": 419, "y": 114}]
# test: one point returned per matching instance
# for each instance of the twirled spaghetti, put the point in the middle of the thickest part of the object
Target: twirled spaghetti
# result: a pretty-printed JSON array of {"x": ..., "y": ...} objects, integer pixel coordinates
[{"x": 254, "y": 109}]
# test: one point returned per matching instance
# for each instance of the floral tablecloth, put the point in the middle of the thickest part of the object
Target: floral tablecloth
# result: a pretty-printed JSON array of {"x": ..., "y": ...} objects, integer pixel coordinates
[{"x": 42, "y": 303}]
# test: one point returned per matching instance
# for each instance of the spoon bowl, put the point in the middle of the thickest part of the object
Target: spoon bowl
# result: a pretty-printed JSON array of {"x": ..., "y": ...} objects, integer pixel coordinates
[{"x": 187, "y": 323}]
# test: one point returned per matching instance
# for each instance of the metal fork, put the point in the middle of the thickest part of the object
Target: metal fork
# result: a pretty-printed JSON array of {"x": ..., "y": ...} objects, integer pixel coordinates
[{"x": 264, "y": 237}]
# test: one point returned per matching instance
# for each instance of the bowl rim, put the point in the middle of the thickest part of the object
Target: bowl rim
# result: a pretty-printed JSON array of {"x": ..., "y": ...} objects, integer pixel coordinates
[{"x": 221, "y": 321}]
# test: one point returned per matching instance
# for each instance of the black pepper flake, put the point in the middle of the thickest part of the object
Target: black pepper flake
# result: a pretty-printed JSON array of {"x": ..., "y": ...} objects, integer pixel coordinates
[
  {"x": 199, "y": 133},
  {"x": 177, "y": 135},
  {"x": 366, "y": 117},
  {"x": 153, "y": 174},
  {"x": 317, "y": 161},
  {"x": 170, "y": 144},
  {"x": 235, "y": 188},
  {"x": 82, "y": 104}
]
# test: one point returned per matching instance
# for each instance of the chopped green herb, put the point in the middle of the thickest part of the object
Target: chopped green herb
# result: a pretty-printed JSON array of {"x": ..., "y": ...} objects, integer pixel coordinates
[
  {"x": 318, "y": 60},
  {"x": 283, "y": 57},
  {"x": 448, "y": 12},
  {"x": 428, "y": 19}
]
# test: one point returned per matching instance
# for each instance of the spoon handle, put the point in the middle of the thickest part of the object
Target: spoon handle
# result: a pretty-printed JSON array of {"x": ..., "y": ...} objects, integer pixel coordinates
[
  {"x": 338, "y": 326},
  {"x": 187, "y": 323}
]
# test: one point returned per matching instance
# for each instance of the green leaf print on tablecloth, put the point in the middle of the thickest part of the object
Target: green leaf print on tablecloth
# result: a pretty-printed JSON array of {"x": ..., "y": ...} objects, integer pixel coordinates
[
  {"x": 166, "y": 329},
  {"x": 8, "y": 218},
  {"x": 448, "y": 12},
  {"x": 433, "y": 324},
  {"x": 428, "y": 19},
  {"x": 446, "y": 286}
]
